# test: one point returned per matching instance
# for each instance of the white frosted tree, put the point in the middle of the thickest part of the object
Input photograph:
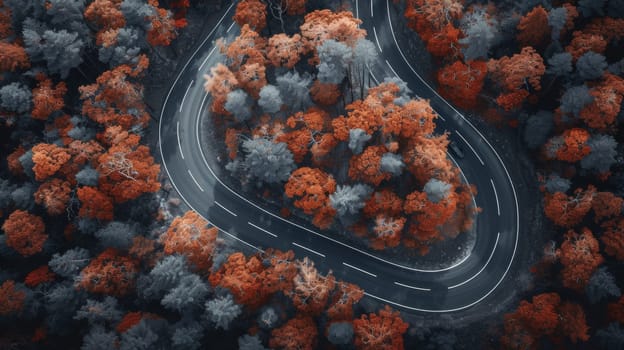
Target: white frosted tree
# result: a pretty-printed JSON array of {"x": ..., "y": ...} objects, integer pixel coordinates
[
  {"x": 268, "y": 161},
  {"x": 222, "y": 310},
  {"x": 270, "y": 99}
]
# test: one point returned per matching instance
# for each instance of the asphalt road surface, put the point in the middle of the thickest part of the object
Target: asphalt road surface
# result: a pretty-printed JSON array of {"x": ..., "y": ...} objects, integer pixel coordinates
[{"x": 453, "y": 288}]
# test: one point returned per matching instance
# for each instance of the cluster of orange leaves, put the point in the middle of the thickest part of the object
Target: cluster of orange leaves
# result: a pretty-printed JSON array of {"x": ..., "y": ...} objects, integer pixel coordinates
[
  {"x": 25, "y": 232},
  {"x": 433, "y": 21},
  {"x": 190, "y": 235},
  {"x": 110, "y": 273},
  {"x": 546, "y": 316},
  {"x": 514, "y": 73}
]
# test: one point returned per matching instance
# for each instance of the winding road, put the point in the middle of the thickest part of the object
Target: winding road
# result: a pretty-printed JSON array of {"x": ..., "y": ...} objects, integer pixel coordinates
[{"x": 197, "y": 179}]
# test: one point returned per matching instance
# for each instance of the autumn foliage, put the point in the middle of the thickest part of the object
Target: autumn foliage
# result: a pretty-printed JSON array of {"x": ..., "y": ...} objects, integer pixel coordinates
[
  {"x": 25, "y": 232},
  {"x": 462, "y": 83},
  {"x": 48, "y": 159},
  {"x": 11, "y": 298},
  {"x": 297, "y": 333},
  {"x": 251, "y": 12},
  {"x": 568, "y": 211},
  {"x": 109, "y": 273},
  {"x": 545, "y": 316},
  {"x": 94, "y": 204},
  {"x": 190, "y": 235},
  {"x": 580, "y": 256},
  {"x": 310, "y": 188},
  {"x": 516, "y": 74},
  {"x": 47, "y": 98},
  {"x": 54, "y": 195},
  {"x": 40, "y": 275},
  {"x": 382, "y": 330}
]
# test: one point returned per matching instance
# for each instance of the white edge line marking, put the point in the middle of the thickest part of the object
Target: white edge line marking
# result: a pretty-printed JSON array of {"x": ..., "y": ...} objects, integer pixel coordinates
[
  {"x": 513, "y": 188},
  {"x": 377, "y": 39},
  {"x": 373, "y": 76},
  {"x": 392, "y": 69},
  {"x": 359, "y": 269},
  {"x": 230, "y": 28},
  {"x": 186, "y": 93},
  {"x": 412, "y": 287},
  {"x": 308, "y": 249},
  {"x": 193, "y": 177},
  {"x": 263, "y": 230},
  {"x": 469, "y": 145},
  {"x": 178, "y": 136},
  {"x": 482, "y": 268},
  {"x": 495, "y": 195},
  {"x": 224, "y": 208},
  {"x": 206, "y": 59},
  {"x": 372, "y": 12}
]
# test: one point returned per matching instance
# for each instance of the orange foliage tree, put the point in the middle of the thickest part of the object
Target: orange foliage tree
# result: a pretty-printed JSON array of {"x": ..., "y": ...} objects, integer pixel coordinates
[
  {"x": 5, "y": 21},
  {"x": 25, "y": 232},
  {"x": 428, "y": 217},
  {"x": 433, "y": 21},
  {"x": 366, "y": 166},
  {"x": 345, "y": 296},
  {"x": 321, "y": 25},
  {"x": 94, "y": 204},
  {"x": 105, "y": 14},
  {"x": 426, "y": 159},
  {"x": 298, "y": 333},
  {"x": 580, "y": 256},
  {"x": 247, "y": 47},
  {"x": 11, "y": 298},
  {"x": 545, "y": 315},
  {"x": 162, "y": 27},
  {"x": 582, "y": 43},
  {"x": 310, "y": 289},
  {"x": 517, "y": 72},
  {"x": 613, "y": 238},
  {"x": 53, "y": 195},
  {"x": 40, "y": 275},
  {"x": 243, "y": 278},
  {"x": 12, "y": 57},
  {"x": 190, "y": 235},
  {"x": 386, "y": 232},
  {"x": 461, "y": 83},
  {"x": 572, "y": 322},
  {"x": 110, "y": 273},
  {"x": 384, "y": 201},
  {"x": 533, "y": 28},
  {"x": 602, "y": 113},
  {"x": 379, "y": 331},
  {"x": 306, "y": 129},
  {"x": 116, "y": 98},
  {"x": 284, "y": 50},
  {"x": 324, "y": 94},
  {"x": 251, "y": 12},
  {"x": 606, "y": 205},
  {"x": 311, "y": 187},
  {"x": 571, "y": 146},
  {"x": 445, "y": 43},
  {"x": 567, "y": 211},
  {"x": 47, "y": 99},
  {"x": 48, "y": 159},
  {"x": 128, "y": 170},
  {"x": 219, "y": 83}
]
